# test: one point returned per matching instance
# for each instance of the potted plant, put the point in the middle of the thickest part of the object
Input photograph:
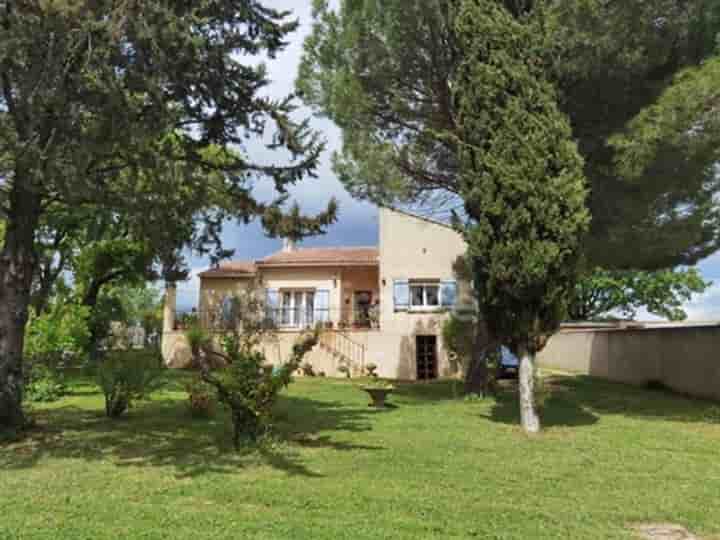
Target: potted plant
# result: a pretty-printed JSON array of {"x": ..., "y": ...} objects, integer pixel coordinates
[
  {"x": 345, "y": 370},
  {"x": 378, "y": 392}
]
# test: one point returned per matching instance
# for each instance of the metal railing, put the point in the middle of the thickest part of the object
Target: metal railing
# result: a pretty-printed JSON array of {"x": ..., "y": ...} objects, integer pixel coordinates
[
  {"x": 285, "y": 319},
  {"x": 328, "y": 318}
]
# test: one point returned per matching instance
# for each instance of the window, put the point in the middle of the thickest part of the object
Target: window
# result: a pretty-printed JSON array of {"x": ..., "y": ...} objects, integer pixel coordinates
[
  {"x": 424, "y": 295},
  {"x": 297, "y": 308}
]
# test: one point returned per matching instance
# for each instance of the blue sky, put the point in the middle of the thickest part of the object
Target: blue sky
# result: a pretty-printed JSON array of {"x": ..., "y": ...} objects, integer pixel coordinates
[{"x": 357, "y": 224}]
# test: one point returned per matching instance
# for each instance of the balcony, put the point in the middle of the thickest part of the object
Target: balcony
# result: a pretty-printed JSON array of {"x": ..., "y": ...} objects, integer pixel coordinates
[{"x": 287, "y": 319}]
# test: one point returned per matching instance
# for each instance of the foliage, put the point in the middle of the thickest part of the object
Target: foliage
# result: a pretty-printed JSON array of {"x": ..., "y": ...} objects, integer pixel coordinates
[
  {"x": 380, "y": 384},
  {"x": 201, "y": 398},
  {"x": 247, "y": 384},
  {"x": 522, "y": 181},
  {"x": 43, "y": 383},
  {"x": 58, "y": 334},
  {"x": 127, "y": 376},
  {"x": 606, "y": 293},
  {"x": 522, "y": 185},
  {"x": 133, "y": 119},
  {"x": 636, "y": 79},
  {"x": 458, "y": 335}
]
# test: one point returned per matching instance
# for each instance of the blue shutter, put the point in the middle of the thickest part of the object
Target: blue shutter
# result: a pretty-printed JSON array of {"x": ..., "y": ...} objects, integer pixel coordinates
[
  {"x": 272, "y": 304},
  {"x": 322, "y": 305},
  {"x": 401, "y": 294},
  {"x": 448, "y": 293}
]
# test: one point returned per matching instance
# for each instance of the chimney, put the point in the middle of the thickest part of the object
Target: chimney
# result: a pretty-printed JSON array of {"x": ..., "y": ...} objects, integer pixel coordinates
[{"x": 288, "y": 245}]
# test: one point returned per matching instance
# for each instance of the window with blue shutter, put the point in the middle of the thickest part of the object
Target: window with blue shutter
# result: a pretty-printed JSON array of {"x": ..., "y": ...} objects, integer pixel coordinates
[
  {"x": 448, "y": 293},
  {"x": 401, "y": 294}
]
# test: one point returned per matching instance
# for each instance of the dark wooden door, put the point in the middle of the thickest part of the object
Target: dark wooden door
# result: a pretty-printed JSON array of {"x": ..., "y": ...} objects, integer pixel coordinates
[{"x": 426, "y": 357}]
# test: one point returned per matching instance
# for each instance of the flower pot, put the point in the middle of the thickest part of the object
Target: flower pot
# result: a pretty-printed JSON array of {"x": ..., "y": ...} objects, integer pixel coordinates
[{"x": 378, "y": 396}]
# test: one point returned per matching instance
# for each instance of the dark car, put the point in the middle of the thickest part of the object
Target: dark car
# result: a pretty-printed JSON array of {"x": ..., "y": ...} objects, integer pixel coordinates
[{"x": 509, "y": 364}]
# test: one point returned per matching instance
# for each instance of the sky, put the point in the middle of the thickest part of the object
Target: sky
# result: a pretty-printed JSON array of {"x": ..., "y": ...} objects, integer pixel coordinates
[{"x": 358, "y": 221}]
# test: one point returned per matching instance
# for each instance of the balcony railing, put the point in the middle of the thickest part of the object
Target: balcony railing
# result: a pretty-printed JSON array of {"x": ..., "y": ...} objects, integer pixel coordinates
[{"x": 286, "y": 319}]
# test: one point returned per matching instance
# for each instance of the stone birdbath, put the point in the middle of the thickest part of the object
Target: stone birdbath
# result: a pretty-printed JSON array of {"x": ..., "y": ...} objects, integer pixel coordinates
[{"x": 378, "y": 393}]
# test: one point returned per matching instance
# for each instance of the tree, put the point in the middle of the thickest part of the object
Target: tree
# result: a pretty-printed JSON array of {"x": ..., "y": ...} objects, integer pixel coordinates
[
  {"x": 522, "y": 183},
  {"x": 606, "y": 293},
  {"x": 97, "y": 95},
  {"x": 246, "y": 384},
  {"x": 636, "y": 79}
]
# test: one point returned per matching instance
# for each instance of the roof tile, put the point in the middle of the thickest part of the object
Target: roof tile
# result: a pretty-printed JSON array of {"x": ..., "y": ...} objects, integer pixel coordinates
[
  {"x": 323, "y": 256},
  {"x": 231, "y": 269}
]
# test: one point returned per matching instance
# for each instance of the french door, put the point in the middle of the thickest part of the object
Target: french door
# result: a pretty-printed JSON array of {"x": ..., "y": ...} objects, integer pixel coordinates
[{"x": 297, "y": 308}]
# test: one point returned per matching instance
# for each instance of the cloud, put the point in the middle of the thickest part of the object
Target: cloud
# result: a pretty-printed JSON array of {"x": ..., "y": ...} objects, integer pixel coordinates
[{"x": 705, "y": 307}]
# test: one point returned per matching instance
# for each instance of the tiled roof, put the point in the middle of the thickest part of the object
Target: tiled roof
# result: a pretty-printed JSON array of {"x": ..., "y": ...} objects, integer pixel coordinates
[
  {"x": 341, "y": 256},
  {"x": 231, "y": 269}
]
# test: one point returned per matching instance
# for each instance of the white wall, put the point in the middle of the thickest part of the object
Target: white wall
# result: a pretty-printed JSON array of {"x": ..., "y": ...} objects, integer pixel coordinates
[{"x": 415, "y": 249}]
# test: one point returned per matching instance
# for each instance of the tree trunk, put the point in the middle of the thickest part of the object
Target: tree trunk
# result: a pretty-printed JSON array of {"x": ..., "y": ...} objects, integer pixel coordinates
[
  {"x": 17, "y": 264},
  {"x": 476, "y": 375},
  {"x": 90, "y": 300},
  {"x": 528, "y": 413},
  {"x": 98, "y": 332}
]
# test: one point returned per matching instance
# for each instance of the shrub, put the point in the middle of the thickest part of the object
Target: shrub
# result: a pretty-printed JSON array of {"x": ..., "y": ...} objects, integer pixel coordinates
[
  {"x": 371, "y": 370},
  {"x": 201, "y": 399},
  {"x": 43, "y": 383},
  {"x": 127, "y": 376},
  {"x": 60, "y": 333},
  {"x": 307, "y": 369},
  {"x": 246, "y": 384},
  {"x": 249, "y": 388}
]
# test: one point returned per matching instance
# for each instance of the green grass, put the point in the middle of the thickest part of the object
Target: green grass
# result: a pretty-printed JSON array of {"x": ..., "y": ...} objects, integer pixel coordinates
[{"x": 431, "y": 467}]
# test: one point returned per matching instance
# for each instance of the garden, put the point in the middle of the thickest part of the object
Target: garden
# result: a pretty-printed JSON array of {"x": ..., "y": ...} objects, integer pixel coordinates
[{"x": 431, "y": 465}]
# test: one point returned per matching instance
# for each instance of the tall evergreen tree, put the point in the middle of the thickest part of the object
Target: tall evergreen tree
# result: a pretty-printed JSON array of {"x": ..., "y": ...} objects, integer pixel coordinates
[
  {"x": 97, "y": 94},
  {"x": 522, "y": 183}
]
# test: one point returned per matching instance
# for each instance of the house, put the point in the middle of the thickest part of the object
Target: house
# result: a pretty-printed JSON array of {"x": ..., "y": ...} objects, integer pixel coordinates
[{"x": 383, "y": 304}]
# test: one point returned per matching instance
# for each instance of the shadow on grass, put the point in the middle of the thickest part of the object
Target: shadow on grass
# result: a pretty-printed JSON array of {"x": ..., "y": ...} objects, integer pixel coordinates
[
  {"x": 163, "y": 434},
  {"x": 611, "y": 398},
  {"x": 581, "y": 400},
  {"x": 560, "y": 410}
]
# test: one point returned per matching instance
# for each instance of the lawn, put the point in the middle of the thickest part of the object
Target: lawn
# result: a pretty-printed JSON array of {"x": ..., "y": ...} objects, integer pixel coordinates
[{"x": 431, "y": 467}]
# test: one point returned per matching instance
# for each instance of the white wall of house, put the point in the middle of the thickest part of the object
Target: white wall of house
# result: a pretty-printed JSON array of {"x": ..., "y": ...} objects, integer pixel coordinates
[{"x": 415, "y": 250}]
